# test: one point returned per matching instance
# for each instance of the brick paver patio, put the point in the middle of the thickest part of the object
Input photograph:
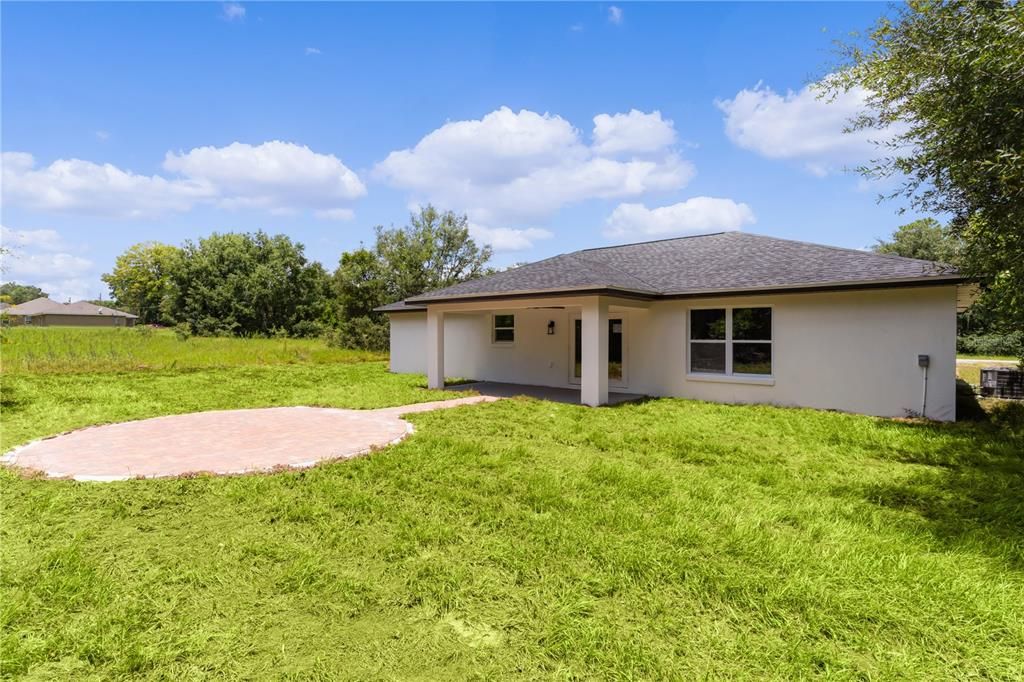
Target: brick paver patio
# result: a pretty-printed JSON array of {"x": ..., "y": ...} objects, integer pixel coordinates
[{"x": 224, "y": 442}]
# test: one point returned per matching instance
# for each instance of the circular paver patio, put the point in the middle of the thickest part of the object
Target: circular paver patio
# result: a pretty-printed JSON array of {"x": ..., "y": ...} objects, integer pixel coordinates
[{"x": 224, "y": 442}]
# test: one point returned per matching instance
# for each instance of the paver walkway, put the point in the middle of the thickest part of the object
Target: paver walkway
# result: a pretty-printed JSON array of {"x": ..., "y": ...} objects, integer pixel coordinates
[{"x": 223, "y": 442}]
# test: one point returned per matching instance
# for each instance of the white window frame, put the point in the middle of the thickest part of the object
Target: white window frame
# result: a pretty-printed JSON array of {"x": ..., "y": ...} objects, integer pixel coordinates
[
  {"x": 729, "y": 375},
  {"x": 494, "y": 329}
]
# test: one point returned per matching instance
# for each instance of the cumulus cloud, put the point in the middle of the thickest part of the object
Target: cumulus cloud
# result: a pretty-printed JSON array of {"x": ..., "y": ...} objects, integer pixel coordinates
[
  {"x": 695, "y": 215},
  {"x": 44, "y": 258},
  {"x": 507, "y": 238},
  {"x": 102, "y": 135},
  {"x": 511, "y": 169},
  {"x": 615, "y": 15},
  {"x": 312, "y": 50},
  {"x": 635, "y": 132},
  {"x": 279, "y": 177},
  {"x": 232, "y": 11},
  {"x": 273, "y": 175},
  {"x": 83, "y": 187},
  {"x": 801, "y": 126}
]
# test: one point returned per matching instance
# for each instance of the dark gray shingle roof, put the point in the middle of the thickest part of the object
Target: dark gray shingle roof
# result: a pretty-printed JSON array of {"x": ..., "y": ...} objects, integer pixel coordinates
[{"x": 703, "y": 264}]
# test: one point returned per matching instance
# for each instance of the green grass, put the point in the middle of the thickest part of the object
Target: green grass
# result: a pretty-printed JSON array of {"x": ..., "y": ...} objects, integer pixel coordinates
[
  {"x": 969, "y": 356},
  {"x": 670, "y": 539},
  {"x": 67, "y": 349},
  {"x": 971, "y": 373}
]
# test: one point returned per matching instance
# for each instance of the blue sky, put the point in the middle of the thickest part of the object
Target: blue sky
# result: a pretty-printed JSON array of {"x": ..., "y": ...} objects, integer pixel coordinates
[{"x": 554, "y": 126}]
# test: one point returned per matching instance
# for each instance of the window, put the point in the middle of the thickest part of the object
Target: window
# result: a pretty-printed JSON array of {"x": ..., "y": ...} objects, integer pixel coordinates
[
  {"x": 504, "y": 329},
  {"x": 731, "y": 341}
]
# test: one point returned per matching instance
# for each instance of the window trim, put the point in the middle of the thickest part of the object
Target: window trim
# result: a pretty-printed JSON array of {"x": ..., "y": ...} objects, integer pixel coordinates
[
  {"x": 729, "y": 376},
  {"x": 495, "y": 328}
]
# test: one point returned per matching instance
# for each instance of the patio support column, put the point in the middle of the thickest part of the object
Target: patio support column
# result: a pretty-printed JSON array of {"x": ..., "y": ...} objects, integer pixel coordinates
[
  {"x": 435, "y": 348},
  {"x": 594, "y": 372}
]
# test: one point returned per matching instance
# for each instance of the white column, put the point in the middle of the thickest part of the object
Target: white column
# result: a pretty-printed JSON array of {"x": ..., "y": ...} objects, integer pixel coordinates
[
  {"x": 594, "y": 373},
  {"x": 435, "y": 348}
]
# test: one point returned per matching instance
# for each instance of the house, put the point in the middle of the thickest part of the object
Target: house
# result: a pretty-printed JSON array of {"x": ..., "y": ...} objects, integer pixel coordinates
[
  {"x": 44, "y": 312},
  {"x": 729, "y": 317}
]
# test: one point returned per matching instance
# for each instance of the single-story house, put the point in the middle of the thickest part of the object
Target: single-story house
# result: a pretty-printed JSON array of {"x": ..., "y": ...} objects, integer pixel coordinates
[
  {"x": 45, "y": 312},
  {"x": 730, "y": 317}
]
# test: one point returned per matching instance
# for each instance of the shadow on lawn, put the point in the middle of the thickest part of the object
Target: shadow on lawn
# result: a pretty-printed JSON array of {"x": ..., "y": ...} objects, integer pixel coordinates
[{"x": 971, "y": 496}]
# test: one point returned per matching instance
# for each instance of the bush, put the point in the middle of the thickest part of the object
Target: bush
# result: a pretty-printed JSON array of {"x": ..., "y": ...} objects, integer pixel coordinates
[
  {"x": 182, "y": 331},
  {"x": 307, "y": 329},
  {"x": 362, "y": 333},
  {"x": 1011, "y": 343}
]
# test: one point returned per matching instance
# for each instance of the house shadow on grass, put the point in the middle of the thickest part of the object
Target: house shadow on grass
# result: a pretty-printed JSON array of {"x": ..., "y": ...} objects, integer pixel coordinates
[{"x": 971, "y": 495}]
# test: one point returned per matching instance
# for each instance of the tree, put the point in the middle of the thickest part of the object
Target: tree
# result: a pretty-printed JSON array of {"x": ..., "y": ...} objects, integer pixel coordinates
[
  {"x": 926, "y": 239},
  {"x": 141, "y": 280},
  {"x": 248, "y": 284},
  {"x": 949, "y": 76},
  {"x": 19, "y": 293},
  {"x": 435, "y": 250}
]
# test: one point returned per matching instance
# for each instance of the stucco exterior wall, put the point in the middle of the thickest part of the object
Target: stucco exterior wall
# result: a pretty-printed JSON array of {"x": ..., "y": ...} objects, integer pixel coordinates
[
  {"x": 75, "y": 321},
  {"x": 852, "y": 351}
]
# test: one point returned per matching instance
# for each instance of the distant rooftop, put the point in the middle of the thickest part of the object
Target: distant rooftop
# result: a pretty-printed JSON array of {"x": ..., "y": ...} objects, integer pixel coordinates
[{"x": 47, "y": 306}]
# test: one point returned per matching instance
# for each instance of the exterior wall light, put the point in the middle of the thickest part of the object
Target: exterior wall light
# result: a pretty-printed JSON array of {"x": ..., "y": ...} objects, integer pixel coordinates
[{"x": 551, "y": 327}]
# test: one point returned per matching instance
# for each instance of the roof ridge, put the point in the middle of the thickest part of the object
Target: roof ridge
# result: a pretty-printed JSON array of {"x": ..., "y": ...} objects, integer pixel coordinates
[
  {"x": 655, "y": 241},
  {"x": 851, "y": 250},
  {"x": 578, "y": 255}
]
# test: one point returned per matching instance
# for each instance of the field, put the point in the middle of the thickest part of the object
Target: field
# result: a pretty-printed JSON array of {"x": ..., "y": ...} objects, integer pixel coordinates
[{"x": 668, "y": 539}]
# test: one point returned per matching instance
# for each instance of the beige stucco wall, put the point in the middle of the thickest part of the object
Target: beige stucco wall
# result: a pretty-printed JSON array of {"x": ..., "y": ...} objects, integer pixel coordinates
[
  {"x": 850, "y": 351},
  {"x": 81, "y": 321}
]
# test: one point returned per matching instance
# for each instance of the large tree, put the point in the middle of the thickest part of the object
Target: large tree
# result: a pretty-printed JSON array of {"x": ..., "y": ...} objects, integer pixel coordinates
[
  {"x": 949, "y": 77},
  {"x": 141, "y": 280},
  {"x": 19, "y": 293},
  {"x": 435, "y": 250},
  {"x": 249, "y": 283},
  {"x": 926, "y": 239}
]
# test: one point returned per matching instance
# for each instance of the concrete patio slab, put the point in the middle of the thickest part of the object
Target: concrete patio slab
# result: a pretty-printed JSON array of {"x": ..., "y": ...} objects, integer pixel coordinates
[
  {"x": 222, "y": 442},
  {"x": 571, "y": 396}
]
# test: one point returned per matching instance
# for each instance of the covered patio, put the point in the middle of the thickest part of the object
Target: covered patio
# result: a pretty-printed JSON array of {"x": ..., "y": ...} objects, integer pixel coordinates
[{"x": 592, "y": 329}]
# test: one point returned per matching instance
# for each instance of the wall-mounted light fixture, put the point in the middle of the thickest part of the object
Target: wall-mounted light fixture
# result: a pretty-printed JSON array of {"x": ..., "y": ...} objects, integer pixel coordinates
[{"x": 551, "y": 327}]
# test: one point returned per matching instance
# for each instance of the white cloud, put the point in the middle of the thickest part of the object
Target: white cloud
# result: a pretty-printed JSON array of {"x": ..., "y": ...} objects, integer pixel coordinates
[
  {"x": 801, "y": 126},
  {"x": 576, "y": 28},
  {"x": 83, "y": 187},
  {"x": 280, "y": 177},
  {"x": 102, "y": 135},
  {"x": 520, "y": 168},
  {"x": 335, "y": 214},
  {"x": 43, "y": 258},
  {"x": 507, "y": 238},
  {"x": 312, "y": 50},
  {"x": 233, "y": 11},
  {"x": 695, "y": 215},
  {"x": 274, "y": 175},
  {"x": 615, "y": 15},
  {"x": 635, "y": 132}
]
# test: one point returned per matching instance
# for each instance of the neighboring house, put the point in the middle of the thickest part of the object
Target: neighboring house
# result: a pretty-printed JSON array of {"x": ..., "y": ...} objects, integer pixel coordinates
[
  {"x": 728, "y": 317},
  {"x": 44, "y": 312}
]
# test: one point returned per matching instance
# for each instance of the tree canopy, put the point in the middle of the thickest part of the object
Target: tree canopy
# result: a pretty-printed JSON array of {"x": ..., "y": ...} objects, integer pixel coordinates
[
  {"x": 926, "y": 239},
  {"x": 949, "y": 78},
  {"x": 20, "y": 293},
  {"x": 141, "y": 280}
]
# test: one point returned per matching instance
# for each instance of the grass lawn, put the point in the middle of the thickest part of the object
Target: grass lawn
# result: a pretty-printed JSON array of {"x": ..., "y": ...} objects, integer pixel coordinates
[{"x": 667, "y": 539}]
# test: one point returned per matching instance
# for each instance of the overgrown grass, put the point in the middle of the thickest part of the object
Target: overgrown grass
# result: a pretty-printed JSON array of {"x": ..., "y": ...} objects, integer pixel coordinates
[
  {"x": 69, "y": 349},
  {"x": 521, "y": 539}
]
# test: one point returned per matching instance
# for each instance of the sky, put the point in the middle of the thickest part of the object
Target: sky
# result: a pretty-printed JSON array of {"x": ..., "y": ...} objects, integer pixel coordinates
[{"x": 553, "y": 127}]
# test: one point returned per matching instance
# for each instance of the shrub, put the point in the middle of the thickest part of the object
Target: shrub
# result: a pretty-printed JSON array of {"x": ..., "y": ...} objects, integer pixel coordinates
[
  {"x": 362, "y": 333},
  {"x": 182, "y": 331},
  {"x": 307, "y": 329},
  {"x": 1011, "y": 343}
]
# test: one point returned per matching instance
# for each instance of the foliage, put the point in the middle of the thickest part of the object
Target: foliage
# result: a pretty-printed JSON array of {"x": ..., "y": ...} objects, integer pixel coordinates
[
  {"x": 368, "y": 333},
  {"x": 949, "y": 77},
  {"x": 247, "y": 284},
  {"x": 20, "y": 293},
  {"x": 141, "y": 281},
  {"x": 435, "y": 250},
  {"x": 991, "y": 345},
  {"x": 670, "y": 539},
  {"x": 925, "y": 239},
  {"x": 78, "y": 350}
]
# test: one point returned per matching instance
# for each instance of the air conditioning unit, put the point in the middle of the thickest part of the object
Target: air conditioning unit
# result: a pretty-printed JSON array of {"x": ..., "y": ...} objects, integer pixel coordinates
[{"x": 1002, "y": 382}]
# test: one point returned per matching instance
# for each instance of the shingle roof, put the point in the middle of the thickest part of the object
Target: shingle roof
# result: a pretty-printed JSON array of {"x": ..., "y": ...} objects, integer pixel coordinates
[
  {"x": 704, "y": 264},
  {"x": 46, "y": 306},
  {"x": 400, "y": 307}
]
